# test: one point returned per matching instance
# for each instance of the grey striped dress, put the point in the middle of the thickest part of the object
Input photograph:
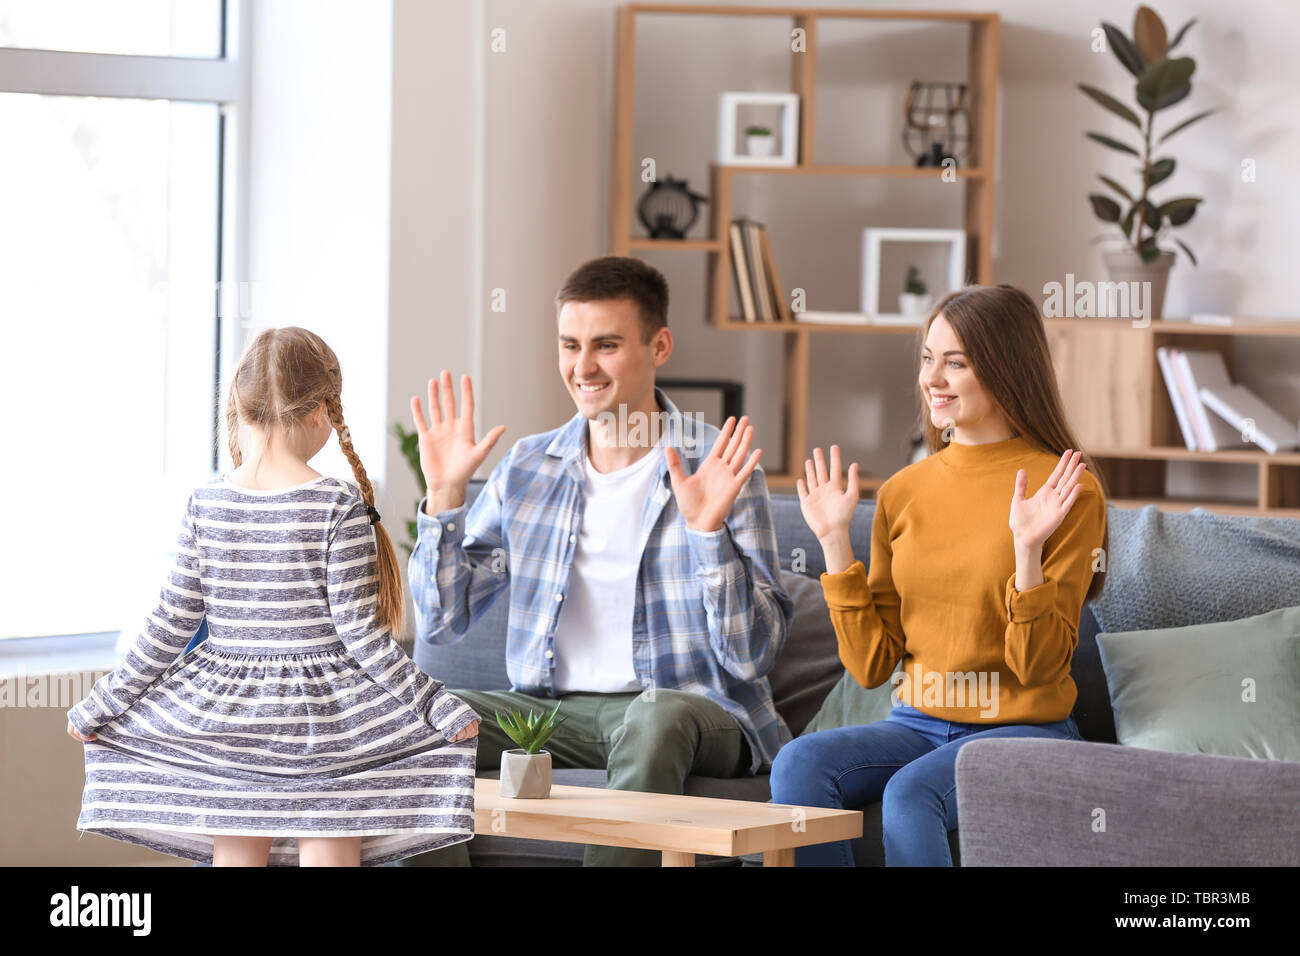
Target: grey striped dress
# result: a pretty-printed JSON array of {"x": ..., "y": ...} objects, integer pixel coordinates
[{"x": 299, "y": 716}]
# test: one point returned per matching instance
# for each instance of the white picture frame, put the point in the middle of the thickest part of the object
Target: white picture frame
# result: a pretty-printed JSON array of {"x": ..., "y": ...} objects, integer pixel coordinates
[
  {"x": 729, "y": 105},
  {"x": 873, "y": 239}
]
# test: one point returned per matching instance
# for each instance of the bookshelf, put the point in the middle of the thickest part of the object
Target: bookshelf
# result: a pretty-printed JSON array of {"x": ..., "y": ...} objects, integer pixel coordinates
[
  {"x": 1115, "y": 397},
  {"x": 1107, "y": 370},
  {"x": 974, "y": 186}
]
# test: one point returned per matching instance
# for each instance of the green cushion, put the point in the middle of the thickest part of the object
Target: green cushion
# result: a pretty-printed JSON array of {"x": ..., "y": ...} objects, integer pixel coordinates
[
  {"x": 1230, "y": 688},
  {"x": 850, "y": 704}
]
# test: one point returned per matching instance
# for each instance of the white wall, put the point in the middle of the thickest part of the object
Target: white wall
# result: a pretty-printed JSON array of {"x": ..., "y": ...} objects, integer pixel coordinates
[
  {"x": 436, "y": 245},
  {"x": 547, "y": 117},
  {"x": 320, "y": 95},
  {"x": 499, "y": 175}
]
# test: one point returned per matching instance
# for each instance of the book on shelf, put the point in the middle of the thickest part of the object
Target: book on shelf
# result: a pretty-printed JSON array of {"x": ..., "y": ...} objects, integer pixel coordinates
[
  {"x": 740, "y": 270},
  {"x": 1165, "y": 360},
  {"x": 833, "y": 318},
  {"x": 1207, "y": 318},
  {"x": 754, "y": 270},
  {"x": 769, "y": 263},
  {"x": 1246, "y": 412},
  {"x": 1197, "y": 369},
  {"x": 758, "y": 272}
]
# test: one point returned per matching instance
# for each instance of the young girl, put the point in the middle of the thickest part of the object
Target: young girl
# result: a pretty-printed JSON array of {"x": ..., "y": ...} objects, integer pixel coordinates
[
  {"x": 299, "y": 732},
  {"x": 974, "y": 587}
]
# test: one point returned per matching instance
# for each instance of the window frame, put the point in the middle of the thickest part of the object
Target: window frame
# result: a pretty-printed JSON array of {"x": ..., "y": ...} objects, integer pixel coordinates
[{"x": 223, "y": 81}]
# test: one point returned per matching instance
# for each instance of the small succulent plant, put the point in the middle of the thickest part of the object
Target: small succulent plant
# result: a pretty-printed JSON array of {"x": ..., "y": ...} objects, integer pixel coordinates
[
  {"x": 913, "y": 284},
  {"x": 530, "y": 732},
  {"x": 757, "y": 131}
]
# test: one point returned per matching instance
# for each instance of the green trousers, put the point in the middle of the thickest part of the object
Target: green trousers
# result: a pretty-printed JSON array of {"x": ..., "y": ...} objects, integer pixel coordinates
[{"x": 649, "y": 741}]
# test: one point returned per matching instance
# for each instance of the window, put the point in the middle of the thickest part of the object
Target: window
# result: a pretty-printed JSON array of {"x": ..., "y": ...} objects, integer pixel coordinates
[
  {"x": 138, "y": 27},
  {"x": 117, "y": 199}
]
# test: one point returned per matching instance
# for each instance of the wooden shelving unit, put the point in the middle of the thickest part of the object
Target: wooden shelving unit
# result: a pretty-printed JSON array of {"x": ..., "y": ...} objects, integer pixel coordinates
[
  {"x": 1116, "y": 399},
  {"x": 975, "y": 184},
  {"x": 1110, "y": 382}
]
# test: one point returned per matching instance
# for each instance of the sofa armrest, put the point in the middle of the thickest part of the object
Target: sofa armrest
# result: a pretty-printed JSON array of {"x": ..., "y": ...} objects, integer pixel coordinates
[{"x": 1044, "y": 802}]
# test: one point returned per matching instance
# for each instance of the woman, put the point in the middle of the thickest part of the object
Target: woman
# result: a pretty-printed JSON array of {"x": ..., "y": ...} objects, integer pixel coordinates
[{"x": 975, "y": 587}]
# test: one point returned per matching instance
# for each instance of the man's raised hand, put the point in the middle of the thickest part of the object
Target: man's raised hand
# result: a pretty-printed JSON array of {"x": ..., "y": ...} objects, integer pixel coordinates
[
  {"x": 449, "y": 456},
  {"x": 705, "y": 497}
]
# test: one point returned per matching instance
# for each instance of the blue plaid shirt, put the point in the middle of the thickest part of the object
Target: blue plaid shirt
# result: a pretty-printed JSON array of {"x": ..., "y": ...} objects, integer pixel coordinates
[{"x": 710, "y": 617}]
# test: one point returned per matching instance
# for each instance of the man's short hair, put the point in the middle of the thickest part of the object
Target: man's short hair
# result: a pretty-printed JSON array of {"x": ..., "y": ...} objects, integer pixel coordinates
[{"x": 621, "y": 277}]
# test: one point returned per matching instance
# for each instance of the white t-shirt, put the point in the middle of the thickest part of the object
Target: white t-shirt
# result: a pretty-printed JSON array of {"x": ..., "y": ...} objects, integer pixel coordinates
[{"x": 593, "y": 637}]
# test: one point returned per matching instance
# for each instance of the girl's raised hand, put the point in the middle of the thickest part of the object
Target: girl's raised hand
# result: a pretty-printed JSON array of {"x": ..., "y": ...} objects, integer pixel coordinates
[
  {"x": 827, "y": 501},
  {"x": 72, "y": 732},
  {"x": 1033, "y": 520}
]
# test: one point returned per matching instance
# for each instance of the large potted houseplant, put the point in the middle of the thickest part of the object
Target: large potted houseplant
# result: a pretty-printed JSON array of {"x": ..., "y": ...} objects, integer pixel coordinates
[
  {"x": 526, "y": 771},
  {"x": 1161, "y": 82},
  {"x": 411, "y": 452}
]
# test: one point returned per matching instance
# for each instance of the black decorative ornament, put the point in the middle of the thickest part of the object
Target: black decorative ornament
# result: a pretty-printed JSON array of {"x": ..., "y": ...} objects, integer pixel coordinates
[
  {"x": 669, "y": 209},
  {"x": 937, "y": 123}
]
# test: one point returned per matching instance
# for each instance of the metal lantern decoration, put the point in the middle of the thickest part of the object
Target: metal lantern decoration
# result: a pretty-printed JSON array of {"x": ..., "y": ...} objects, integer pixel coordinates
[
  {"x": 669, "y": 209},
  {"x": 938, "y": 123}
]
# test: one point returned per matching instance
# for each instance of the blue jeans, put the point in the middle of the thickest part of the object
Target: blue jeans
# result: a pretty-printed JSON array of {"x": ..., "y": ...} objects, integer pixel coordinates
[{"x": 907, "y": 762}]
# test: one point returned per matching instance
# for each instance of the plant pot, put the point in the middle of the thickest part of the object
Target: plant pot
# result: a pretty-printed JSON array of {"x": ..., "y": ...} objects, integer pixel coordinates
[
  {"x": 913, "y": 305},
  {"x": 525, "y": 776},
  {"x": 1125, "y": 265},
  {"x": 760, "y": 145}
]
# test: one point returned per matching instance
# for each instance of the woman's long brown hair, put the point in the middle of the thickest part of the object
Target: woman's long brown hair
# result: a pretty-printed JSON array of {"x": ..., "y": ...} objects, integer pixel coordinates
[
  {"x": 282, "y": 377},
  {"x": 1001, "y": 331}
]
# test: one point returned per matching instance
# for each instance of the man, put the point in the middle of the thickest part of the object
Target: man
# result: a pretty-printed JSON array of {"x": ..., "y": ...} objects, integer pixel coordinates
[{"x": 642, "y": 574}]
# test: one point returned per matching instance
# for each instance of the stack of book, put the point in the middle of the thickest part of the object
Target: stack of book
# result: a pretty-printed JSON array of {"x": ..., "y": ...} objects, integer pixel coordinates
[
  {"x": 1214, "y": 413},
  {"x": 757, "y": 284}
]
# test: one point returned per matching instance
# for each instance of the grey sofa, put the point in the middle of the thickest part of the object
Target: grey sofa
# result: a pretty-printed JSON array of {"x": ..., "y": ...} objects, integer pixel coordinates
[
  {"x": 805, "y": 673},
  {"x": 1027, "y": 802},
  {"x": 1021, "y": 801}
]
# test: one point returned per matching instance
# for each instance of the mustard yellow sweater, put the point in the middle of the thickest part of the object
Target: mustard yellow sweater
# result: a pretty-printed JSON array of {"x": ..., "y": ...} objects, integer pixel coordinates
[{"x": 941, "y": 593}]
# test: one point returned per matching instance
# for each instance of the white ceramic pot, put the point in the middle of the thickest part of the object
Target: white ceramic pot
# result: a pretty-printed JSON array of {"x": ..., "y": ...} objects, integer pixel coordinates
[
  {"x": 913, "y": 305},
  {"x": 1125, "y": 265},
  {"x": 525, "y": 776},
  {"x": 760, "y": 145}
]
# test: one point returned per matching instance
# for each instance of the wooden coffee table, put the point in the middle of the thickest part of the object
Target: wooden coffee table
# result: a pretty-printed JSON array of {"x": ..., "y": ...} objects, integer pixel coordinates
[{"x": 678, "y": 826}]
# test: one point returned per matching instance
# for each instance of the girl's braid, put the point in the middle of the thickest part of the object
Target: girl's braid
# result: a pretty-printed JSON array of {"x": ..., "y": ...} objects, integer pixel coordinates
[
  {"x": 232, "y": 427},
  {"x": 335, "y": 411}
]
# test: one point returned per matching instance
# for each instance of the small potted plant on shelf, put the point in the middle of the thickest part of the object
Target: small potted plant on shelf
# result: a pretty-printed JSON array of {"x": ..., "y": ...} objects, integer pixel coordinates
[
  {"x": 759, "y": 141},
  {"x": 526, "y": 771},
  {"x": 1143, "y": 221},
  {"x": 914, "y": 299}
]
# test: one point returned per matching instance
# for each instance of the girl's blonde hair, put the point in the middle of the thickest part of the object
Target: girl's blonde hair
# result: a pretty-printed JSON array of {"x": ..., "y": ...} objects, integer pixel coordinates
[
  {"x": 1002, "y": 334},
  {"x": 283, "y": 375}
]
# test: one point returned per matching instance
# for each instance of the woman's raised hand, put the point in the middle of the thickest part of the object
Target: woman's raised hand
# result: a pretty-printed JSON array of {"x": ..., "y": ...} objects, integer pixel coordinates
[
  {"x": 1033, "y": 520},
  {"x": 449, "y": 456},
  {"x": 827, "y": 501}
]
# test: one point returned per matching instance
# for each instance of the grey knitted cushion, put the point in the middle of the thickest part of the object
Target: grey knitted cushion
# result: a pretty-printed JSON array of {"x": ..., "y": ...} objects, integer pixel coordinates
[{"x": 1171, "y": 569}]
